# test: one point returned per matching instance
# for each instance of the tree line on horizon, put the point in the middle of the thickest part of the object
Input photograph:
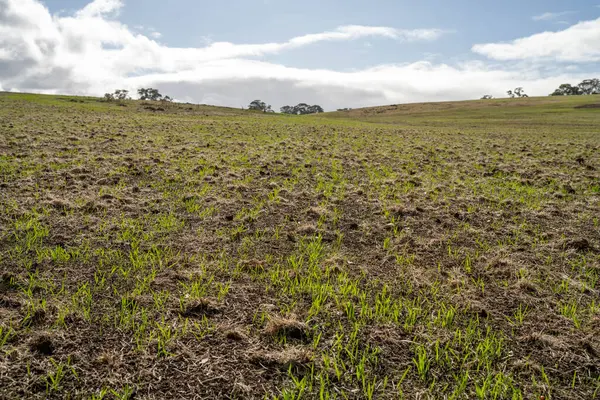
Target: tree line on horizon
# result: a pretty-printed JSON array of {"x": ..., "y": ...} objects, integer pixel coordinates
[
  {"x": 299, "y": 109},
  {"x": 586, "y": 87},
  {"x": 144, "y": 94},
  {"x": 517, "y": 92},
  {"x": 302, "y": 109}
]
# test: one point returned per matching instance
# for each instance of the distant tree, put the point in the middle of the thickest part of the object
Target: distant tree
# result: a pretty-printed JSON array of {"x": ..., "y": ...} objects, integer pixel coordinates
[
  {"x": 119, "y": 95},
  {"x": 302, "y": 109},
  {"x": 122, "y": 94},
  {"x": 567, "y": 90},
  {"x": 167, "y": 99},
  {"x": 586, "y": 87},
  {"x": 344, "y": 109},
  {"x": 518, "y": 92},
  {"x": 149, "y": 94},
  {"x": 487, "y": 97},
  {"x": 590, "y": 86},
  {"x": 287, "y": 110},
  {"x": 315, "y": 109},
  {"x": 257, "y": 105},
  {"x": 260, "y": 106}
]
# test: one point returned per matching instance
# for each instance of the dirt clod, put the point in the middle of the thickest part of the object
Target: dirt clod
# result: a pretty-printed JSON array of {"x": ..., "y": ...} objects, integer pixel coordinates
[
  {"x": 579, "y": 244},
  {"x": 201, "y": 308},
  {"x": 43, "y": 345},
  {"x": 289, "y": 328},
  {"x": 235, "y": 335}
]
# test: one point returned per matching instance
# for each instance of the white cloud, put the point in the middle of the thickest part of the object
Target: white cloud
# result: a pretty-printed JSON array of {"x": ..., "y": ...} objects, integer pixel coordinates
[
  {"x": 577, "y": 43},
  {"x": 549, "y": 16},
  {"x": 221, "y": 50},
  {"x": 91, "y": 40},
  {"x": 100, "y": 7},
  {"x": 357, "y": 31},
  {"x": 90, "y": 52},
  {"x": 156, "y": 35}
]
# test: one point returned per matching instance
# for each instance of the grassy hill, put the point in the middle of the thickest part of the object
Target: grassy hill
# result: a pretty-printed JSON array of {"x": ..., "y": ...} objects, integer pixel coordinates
[
  {"x": 578, "y": 111},
  {"x": 441, "y": 250}
]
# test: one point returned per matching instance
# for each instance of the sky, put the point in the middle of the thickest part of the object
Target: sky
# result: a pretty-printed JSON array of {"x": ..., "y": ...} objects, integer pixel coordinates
[{"x": 335, "y": 53}]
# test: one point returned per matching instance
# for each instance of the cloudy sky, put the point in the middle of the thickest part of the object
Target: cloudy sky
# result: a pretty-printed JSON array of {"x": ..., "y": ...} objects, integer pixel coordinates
[{"x": 336, "y": 53}]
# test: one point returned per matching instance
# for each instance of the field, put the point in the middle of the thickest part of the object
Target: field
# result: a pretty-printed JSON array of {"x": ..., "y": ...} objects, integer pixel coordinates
[{"x": 425, "y": 251}]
